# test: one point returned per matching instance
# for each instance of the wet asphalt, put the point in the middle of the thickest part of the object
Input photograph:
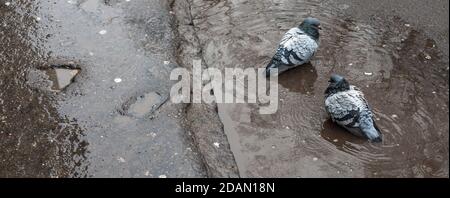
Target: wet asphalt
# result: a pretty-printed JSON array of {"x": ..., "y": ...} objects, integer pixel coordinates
[{"x": 114, "y": 119}]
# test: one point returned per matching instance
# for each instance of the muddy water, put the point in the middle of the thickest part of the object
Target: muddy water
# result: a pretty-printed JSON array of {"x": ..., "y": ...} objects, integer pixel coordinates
[{"x": 399, "y": 69}]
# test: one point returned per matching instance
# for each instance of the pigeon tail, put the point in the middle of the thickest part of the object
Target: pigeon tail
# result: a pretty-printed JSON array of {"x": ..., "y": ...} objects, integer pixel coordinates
[
  {"x": 369, "y": 129},
  {"x": 274, "y": 64}
]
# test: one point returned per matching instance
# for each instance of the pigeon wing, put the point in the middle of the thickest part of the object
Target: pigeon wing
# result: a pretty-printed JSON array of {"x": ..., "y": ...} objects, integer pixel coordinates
[
  {"x": 344, "y": 108},
  {"x": 296, "y": 48}
]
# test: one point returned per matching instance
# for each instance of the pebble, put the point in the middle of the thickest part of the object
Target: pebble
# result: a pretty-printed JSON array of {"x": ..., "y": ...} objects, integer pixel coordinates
[
  {"x": 147, "y": 173},
  {"x": 121, "y": 160},
  {"x": 118, "y": 80},
  {"x": 394, "y": 116},
  {"x": 8, "y": 3},
  {"x": 335, "y": 140},
  {"x": 103, "y": 32},
  {"x": 408, "y": 25},
  {"x": 428, "y": 57},
  {"x": 38, "y": 18},
  {"x": 368, "y": 74},
  {"x": 315, "y": 159},
  {"x": 162, "y": 176},
  {"x": 351, "y": 64},
  {"x": 166, "y": 62},
  {"x": 217, "y": 145}
]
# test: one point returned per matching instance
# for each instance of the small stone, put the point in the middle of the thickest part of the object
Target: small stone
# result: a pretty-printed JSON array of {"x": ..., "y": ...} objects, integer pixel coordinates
[
  {"x": 103, "y": 32},
  {"x": 121, "y": 160},
  {"x": 394, "y": 116},
  {"x": 91, "y": 53},
  {"x": 428, "y": 57},
  {"x": 335, "y": 140},
  {"x": 350, "y": 64},
  {"x": 71, "y": 2},
  {"x": 288, "y": 128},
  {"x": 217, "y": 145},
  {"x": 8, "y": 3},
  {"x": 118, "y": 80},
  {"x": 166, "y": 62},
  {"x": 38, "y": 18},
  {"x": 315, "y": 159},
  {"x": 147, "y": 173},
  {"x": 274, "y": 147},
  {"x": 162, "y": 176},
  {"x": 368, "y": 73},
  {"x": 408, "y": 25}
]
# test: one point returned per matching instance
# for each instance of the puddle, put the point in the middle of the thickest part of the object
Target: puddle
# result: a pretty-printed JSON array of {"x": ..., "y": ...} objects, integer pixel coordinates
[
  {"x": 61, "y": 78},
  {"x": 146, "y": 104},
  {"x": 299, "y": 140}
]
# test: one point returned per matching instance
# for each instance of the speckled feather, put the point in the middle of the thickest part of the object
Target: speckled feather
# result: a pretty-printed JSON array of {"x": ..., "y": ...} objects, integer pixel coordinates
[
  {"x": 296, "y": 48},
  {"x": 347, "y": 107}
]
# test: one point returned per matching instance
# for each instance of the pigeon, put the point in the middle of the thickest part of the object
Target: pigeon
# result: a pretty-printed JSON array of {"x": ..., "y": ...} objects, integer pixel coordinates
[
  {"x": 296, "y": 48},
  {"x": 348, "y": 108}
]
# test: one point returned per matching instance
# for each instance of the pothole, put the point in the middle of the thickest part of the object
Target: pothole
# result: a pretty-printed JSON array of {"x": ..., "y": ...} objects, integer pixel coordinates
[
  {"x": 143, "y": 105},
  {"x": 55, "y": 76},
  {"x": 61, "y": 78}
]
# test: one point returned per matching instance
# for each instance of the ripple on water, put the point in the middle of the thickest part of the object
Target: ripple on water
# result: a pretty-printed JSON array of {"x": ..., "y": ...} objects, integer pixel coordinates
[{"x": 245, "y": 34}]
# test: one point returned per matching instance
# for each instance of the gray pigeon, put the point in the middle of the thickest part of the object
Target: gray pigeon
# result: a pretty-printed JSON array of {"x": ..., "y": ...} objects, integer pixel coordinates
[
  {"x": 348, "y": 108},
  {"x": 297, "y": 47}
]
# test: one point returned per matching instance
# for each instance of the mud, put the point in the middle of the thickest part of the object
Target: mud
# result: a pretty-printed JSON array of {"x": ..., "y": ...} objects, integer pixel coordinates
[
  {"x": 407, "y": 88},
  {"x": 202, "y": 120}
]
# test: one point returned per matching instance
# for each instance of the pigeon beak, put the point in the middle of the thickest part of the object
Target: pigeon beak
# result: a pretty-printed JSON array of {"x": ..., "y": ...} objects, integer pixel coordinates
[{"x": 319, "y": 27}]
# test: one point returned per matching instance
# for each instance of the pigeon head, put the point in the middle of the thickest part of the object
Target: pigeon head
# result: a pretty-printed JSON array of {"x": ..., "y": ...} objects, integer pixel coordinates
[
  {"x": 311, "y": 26},
  {"x": 337, "y": 84}
]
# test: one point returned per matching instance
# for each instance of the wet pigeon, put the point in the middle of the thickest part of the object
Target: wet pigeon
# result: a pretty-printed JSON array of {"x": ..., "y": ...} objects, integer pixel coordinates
[
  {"x": 348, "y": 108},
  {"x": 297, "y": 47}
]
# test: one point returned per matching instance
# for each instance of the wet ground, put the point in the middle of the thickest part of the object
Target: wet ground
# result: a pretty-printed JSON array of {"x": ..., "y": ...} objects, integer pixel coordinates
[
  {"x": 402, "y": 71},
  {"x": 84, "y": 88},
  {"x": 113, "y": 120}
]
